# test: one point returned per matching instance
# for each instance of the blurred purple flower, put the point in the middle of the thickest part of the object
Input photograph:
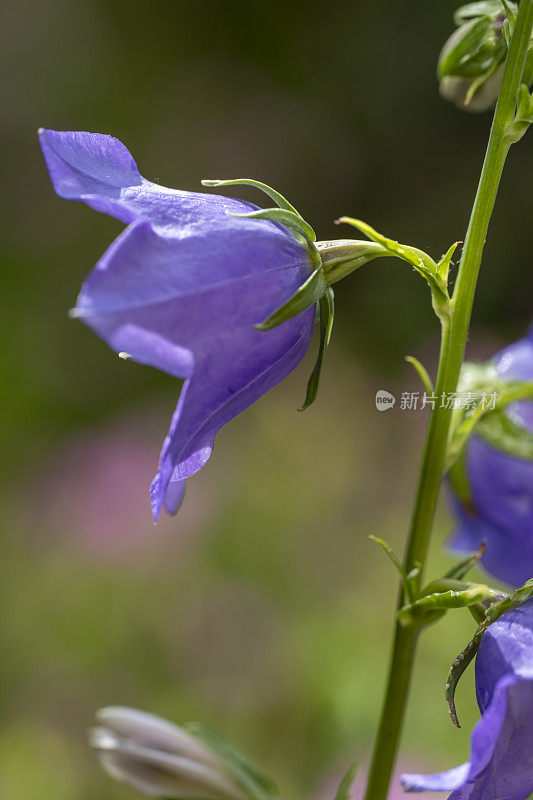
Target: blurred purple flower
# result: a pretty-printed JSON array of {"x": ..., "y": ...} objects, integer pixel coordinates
[
  {"x": 501, "y": 487},
  {"x": 501, "y": 760},
  {"x": 90, "y": 489},
  {"x": 181, "y": 289}
]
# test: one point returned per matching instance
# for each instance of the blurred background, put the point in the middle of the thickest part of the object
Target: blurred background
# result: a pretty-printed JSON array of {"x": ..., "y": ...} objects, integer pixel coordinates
[{"x": 262, "y": 609}]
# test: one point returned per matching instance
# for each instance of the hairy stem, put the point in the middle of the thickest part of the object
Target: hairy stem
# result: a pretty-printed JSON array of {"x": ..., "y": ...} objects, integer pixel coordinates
[{"x": 454, "y": 335}]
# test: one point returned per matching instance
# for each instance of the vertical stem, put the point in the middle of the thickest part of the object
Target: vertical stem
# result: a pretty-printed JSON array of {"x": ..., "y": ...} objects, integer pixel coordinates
[{"x": 454, "y": 334}]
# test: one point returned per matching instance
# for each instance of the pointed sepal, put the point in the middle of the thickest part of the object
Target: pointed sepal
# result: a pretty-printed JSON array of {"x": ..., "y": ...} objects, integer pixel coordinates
[
  {"x": 326, "y": 313},
  {"x": 493, "y": 612},
  {"x": 307, "y": 295},
  {"x": 289, "y": 219},
  {"x": 278, "y": 198},
  {"x": 254, "y": 780}
]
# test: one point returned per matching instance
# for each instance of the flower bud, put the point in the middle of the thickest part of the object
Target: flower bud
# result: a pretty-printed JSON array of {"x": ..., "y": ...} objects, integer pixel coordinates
[
  {"x": 160, "y": 759},
  {"x": 458, "y": 91},
  {"x": 470, "y": 67}
]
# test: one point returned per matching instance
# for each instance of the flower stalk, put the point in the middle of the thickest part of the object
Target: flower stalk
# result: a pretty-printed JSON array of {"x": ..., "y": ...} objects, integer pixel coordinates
[{"x": 454, "y": 333}]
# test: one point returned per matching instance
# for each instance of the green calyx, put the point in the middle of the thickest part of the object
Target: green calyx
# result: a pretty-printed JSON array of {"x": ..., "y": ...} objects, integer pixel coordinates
[{"x": 480, "y": 407}]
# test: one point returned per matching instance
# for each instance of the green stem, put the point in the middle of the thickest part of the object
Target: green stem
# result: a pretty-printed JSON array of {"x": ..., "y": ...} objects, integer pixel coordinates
[{"x": 454, "y": 333}]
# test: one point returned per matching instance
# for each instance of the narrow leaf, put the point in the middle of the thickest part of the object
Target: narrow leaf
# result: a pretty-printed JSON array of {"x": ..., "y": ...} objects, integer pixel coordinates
[
  {"x": 278, "y": 198},
  {"x": 307, "y": 295},
  {"x": 422, "y": 373},
  {"x": 385, "y": 546},
  {"x": 459, "y": 570},
  {"x": 443, "y": 266},
  {"x": 326, "y": 312},
  {"x": 289, "y": 219},
  {"x": 343, "y": 792}
]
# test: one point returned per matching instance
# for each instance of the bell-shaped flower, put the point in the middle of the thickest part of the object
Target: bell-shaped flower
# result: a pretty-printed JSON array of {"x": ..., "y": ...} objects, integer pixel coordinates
[
  {"x": 160, "y": 759},
  {"x": 500, "y": 504},
  {"x": 501, "y": 758},
  {"x": 181, "y": 289}
]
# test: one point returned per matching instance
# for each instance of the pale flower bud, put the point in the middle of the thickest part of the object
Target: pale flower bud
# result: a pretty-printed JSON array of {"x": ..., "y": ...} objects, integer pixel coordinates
[{"x": 160, "y": 759}]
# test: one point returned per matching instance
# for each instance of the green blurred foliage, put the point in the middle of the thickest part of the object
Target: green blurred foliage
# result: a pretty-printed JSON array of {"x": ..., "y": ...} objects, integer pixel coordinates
[{"x": 262, "y": 609}]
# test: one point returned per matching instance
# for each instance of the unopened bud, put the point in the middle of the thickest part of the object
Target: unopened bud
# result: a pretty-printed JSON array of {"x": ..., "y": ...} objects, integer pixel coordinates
[
  {"x": 160, "y": 759},
  {"x": 470, "y": 67},
  {"x": 459, "y": 91}
]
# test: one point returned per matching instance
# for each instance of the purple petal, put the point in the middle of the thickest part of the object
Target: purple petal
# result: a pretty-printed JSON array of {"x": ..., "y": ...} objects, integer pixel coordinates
[
  {"x": 509, "y": 553},
  {"x": 470, "y": 780},
  {"x": 188, "y": 306},
  {"x": 438, "y": 782},
  {"x": 99, "y": 170},
  {"x": 181, "y": 289}
]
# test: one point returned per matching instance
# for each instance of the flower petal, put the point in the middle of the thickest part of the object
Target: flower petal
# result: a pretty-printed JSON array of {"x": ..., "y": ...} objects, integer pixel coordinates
[
  {"x": 200, "y": 416},
  {"x": 99, "y": 170},
  {"x": 509, "y": 552},
  {"x": 184, "y": 307},
  {"x": 141, "y": 268},
  {"x": 501, "y": 761}
]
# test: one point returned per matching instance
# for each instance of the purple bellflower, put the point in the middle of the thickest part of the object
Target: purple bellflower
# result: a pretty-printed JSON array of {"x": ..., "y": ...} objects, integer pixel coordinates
[
  {"x": 180, "y": 289},
  {"x": 501, "y": 758},
  {"x": 500, "y": 508}
]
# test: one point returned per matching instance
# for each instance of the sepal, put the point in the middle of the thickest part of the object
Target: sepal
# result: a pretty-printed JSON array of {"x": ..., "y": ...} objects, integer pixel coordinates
[
  {"x": 257, "y": 784},
  {"x": 278, "y": 198},
  {"x": 307, "y": 295},
  {"x": 493, "y": 612},
  {"x": 299, "y": 228},
  {"x": 326, "y": 313}
]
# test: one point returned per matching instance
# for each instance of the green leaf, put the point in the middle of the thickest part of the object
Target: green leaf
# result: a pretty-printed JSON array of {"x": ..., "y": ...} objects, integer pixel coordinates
[
  {"x": 307, "y": 295},
  {"x": 289, "y": 219},
  {"x": 278, "y": 198},
  {"x": 421, "y": 610},
  {"x": 423, "y": 263},
  {"x": 343, "y": 792},
  {"x": 385, "y": 546},
  {"x": 498, "y": 430},
  {"x": 326, "y": 314},
  {"x": 422, "y": 373},
  {"x": 443, "y": 266},
  {"x": 250, "y": 775},
  {"x": 459, "y": 570}
]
